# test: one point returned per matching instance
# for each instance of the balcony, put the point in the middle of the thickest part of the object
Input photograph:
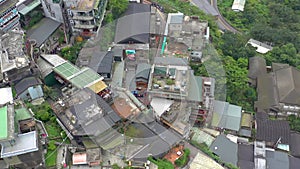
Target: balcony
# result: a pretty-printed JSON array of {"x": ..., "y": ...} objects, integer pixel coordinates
[
  {"x": 84, "y": 26},
  {"x": 83, "y": 17}
]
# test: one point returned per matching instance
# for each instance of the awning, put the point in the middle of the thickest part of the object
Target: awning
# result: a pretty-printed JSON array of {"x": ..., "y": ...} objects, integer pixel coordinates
[{"x": 98, "y": 86}]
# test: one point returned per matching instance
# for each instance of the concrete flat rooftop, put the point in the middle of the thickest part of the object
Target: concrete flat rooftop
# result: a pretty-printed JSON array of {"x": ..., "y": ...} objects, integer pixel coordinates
[{"x": 87, "y": 4}]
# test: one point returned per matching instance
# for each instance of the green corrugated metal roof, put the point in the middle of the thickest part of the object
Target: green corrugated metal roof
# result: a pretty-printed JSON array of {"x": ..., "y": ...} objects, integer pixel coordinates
[
  {"x": 30, "y": 7},
  {"x": 160, "y": 70},
  {"x": 172, "y": 71},
  {"x": 3, "y": 123},
  {"x": 226, "y": 115},
  {"x": 66, "y": 70},
  {"x": 234, "y": 111},
  {"x": 85, "y": 77},
  {"x": 81, "y": 78},
  {"x": 22, "y": 114}
]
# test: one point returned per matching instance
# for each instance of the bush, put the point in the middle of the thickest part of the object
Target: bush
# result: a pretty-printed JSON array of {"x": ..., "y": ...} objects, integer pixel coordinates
[
  {"x": 51, "y": 145},
  {"x": 162, "y": 164},
  {"x": 182, "y": 161},
  {"x": 170, "y": 82},
  {"x": 115, "y": 166}
]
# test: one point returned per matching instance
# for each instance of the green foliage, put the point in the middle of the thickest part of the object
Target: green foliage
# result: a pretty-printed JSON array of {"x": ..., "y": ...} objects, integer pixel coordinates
[
  {"x": 170, "y": 81},
  {"x": 114, "y": 9},
  {"x": 182, "y": 161},
  {"x": 268, "y": 20},
  {"x": 107, "y": 34},
  {"x": 35, "y": 17},
  {"x": 115, "y": 166},
  {"x": 162, "y": 164},
  {"x": 238, "y": 90},
  {"x": 294, "y": 122},
  {"x": 42, "y": 112},
  {"x": 71, "y": 53},
  {"x": 50, "y": 158},
  {"x": 51, "y": 145}
]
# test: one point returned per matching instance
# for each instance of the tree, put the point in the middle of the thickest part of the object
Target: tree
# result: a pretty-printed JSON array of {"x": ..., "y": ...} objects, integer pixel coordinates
[
  {"x": 115, "y": 8},
  {"x": 51, "y": 145}
]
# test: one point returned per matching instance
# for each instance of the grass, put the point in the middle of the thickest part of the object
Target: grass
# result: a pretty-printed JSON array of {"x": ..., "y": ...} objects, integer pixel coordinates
[
  {"x": 51, "y": 158},
  {"x": 54, "y": 131}
]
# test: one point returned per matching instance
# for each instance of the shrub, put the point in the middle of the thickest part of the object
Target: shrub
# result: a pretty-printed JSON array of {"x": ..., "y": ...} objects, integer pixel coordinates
[{"x": 182, "y": 161}]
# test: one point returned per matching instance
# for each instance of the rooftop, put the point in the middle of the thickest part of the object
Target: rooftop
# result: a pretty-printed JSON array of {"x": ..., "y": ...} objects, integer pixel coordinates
[
  {"x": 47, "y": 62},
  {"x": 294, "y": 144},
  {"x": 86, "y": 5},
  {"x": 246, "y": 156},
  {"x": 81, "y": 78},
  {"x": 238, "y": 5},
  {"x": 261, "y": 47},
  {"x": 22, "y": 114},
  {"x": 273, "y": 130},
  {"x": 12, "y": 55},
  {"x": 161, "y": 105},
  {"x": 7, "y": 123},
  {"x": 128, "y": 29},
  {"x": 25, "y": 83},
  {"x": 226, "y": 115},
  {"x": 25, "y": 8},
  {"x": 87, "y": 114},
  {"x": 201, "y": 136},
  {"x": 79, "y": 158},
  {"x": 43, "y": 30},
  {"x": 204, "y": 162},
  {"x": 24, "y": 143},
  {"x": 222, "y": 146},
  {"x": 6, "y": 95},
  {"x": 3, "y": 124},
  {"x": 124, "y": 107},
  {"x": 257, "y": 67},
  {"x": 277, "y": 160},
  {"x": 195, "y": 88},
  {"x": 7, "y": 4}
]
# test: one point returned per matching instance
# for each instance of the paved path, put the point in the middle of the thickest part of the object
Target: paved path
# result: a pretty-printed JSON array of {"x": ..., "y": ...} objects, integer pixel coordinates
[
  {"x": 212, "y": 8},
  {"x": 61, "y": 152}
]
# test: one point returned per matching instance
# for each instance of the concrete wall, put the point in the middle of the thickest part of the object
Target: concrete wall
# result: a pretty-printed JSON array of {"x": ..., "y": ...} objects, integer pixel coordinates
[{"x": 54, "y": 8}]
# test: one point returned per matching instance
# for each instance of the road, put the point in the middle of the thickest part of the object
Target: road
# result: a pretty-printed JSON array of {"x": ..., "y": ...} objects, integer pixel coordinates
[
  {"x": 212, "y": 9},
  {"x": 221, "y": 19}
]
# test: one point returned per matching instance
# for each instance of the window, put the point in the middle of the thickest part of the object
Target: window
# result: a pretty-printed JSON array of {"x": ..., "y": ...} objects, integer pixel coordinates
[{"x": 53, "y": 14}]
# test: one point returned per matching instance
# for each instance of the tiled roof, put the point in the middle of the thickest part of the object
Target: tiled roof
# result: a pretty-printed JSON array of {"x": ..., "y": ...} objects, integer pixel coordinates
[{"x": 272, "y": 130}]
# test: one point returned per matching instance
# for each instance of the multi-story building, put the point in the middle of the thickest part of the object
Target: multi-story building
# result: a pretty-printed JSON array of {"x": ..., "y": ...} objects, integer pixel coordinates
[
  {"x": 85, "y": 15},
  {"x": 9, "y": 17},
  {"x": 14, "y": 62},
  {"x": 53, "y": 9}
]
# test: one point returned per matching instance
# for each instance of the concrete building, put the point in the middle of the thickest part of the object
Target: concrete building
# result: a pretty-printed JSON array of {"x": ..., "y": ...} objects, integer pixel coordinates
[
  {"x": 21, "y": 147},
  {"x": 189, "y": 31},
  {"x": 29, "y": 9},
  {"x": 238, "y": 5},
  {"x": 9, "y": 17},
  {"x": 85, "y": 15},
  {"x": 261, "y": 47},
  {"x": 53, "y": 9},
  {"x": 29, "y": 88},
  {"x": 14, "y": 62}
]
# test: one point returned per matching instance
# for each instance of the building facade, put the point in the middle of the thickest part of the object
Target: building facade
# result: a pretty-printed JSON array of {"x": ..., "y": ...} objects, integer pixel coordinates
[
  {"x": 85, "y": 16},
  {"x": 9, "y": 17}
]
